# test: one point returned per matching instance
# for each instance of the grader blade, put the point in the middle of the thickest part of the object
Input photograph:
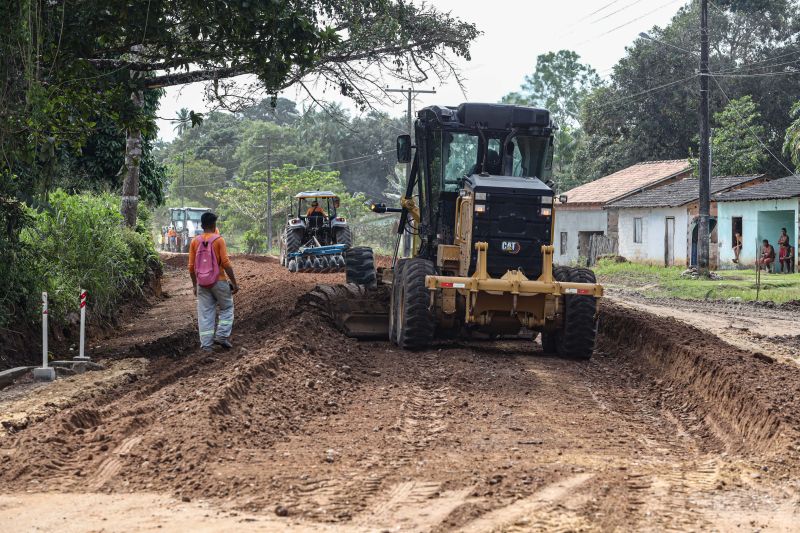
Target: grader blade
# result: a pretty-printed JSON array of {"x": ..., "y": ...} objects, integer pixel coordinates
[{"x": 356, "y": 311}]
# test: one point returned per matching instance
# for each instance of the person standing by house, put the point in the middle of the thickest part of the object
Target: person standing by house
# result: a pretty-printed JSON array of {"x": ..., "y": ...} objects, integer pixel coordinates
[
  {"x": 214, "y": 284},
  {"x": 783, "y": 239},
  {"x": 737, "y": 246},
  {"x": 767, "y": 256},
  {"x": 786, "y": 256}
]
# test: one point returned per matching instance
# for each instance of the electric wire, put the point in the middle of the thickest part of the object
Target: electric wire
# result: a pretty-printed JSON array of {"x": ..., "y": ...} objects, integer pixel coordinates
[
  {"x": 752, "y": 133},
  {"x": 612, "y": 30}
]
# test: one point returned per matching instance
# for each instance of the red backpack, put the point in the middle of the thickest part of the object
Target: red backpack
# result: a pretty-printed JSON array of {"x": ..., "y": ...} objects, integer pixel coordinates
[{"x": 206, "y": 266}]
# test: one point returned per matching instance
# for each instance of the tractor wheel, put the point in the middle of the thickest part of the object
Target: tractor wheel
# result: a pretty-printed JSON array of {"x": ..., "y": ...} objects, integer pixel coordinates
[
  {"x": 394, "y": 310},
  {"x": 292, "y": 241},
  {"x": 415, "y": 320},
  {"x": 344, "y": 236},
  {"x": 576, "y": 338},
  {"x": 549, "y": 339},
  {"x": 360, "y": 267}
]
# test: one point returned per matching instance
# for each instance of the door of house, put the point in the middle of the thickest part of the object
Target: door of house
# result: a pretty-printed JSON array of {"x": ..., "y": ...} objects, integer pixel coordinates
[{"x": 669, "y": 241}]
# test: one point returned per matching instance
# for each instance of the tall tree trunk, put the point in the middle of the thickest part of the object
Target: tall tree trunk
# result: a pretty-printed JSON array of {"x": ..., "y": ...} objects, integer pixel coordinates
[{"x": 133, "y": 159}]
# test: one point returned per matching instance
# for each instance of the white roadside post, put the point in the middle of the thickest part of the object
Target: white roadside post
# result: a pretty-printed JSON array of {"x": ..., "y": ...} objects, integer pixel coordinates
[
  {"x": 81, "y": 354},
  {"x": 45, "y": 373}
]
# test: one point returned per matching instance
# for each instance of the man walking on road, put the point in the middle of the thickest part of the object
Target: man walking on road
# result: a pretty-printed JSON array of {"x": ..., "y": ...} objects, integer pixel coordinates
[{"x": 214, "y": 284}]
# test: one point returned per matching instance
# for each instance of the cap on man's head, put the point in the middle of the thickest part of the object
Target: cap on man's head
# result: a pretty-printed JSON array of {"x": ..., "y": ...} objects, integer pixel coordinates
[
  {"x": 208, "y": 220},
  {"x": 314, "y": 202}
]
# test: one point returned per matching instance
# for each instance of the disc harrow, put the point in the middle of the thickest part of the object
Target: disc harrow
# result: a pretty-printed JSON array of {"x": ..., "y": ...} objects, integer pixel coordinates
[{"x": 318, "y": 259}]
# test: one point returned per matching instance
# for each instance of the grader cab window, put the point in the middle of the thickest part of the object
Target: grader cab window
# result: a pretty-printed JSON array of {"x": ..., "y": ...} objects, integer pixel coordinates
[{"x": 460, "y": 152}]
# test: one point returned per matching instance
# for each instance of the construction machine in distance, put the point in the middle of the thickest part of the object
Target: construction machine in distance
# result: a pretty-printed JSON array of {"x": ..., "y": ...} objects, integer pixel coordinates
[
  {"x": 481, "y": 214},
  {"x": 316, "y": 237},
  {"x": 186, "y": 221}
]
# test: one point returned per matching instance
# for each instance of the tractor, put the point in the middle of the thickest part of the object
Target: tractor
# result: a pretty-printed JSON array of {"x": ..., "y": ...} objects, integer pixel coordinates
[
  {"x": 480, "y": 209},
  {"x": 316, "y": 237},
  {"x": 186, "y": 221}
]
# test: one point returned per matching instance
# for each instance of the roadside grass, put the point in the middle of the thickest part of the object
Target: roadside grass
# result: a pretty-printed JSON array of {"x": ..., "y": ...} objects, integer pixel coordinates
[{"x": 656, "y": 282}]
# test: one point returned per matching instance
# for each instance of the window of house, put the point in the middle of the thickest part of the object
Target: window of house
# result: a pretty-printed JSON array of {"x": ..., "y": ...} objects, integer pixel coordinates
[
  {"x": 563, "y": 243},
  {"x": 637, "y": 229}
]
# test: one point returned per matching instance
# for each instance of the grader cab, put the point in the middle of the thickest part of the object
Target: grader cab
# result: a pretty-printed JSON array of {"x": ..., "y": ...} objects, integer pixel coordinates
[{"x": 481, "y": 215}]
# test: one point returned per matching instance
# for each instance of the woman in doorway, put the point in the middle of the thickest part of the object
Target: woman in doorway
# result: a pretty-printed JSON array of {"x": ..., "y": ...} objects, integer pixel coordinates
[{"x": 737, "y": 246}]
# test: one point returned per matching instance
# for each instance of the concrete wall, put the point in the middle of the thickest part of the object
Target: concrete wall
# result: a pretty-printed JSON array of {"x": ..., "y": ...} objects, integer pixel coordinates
[
  {"x": 651, "y": 249},
  {"x": 573, "y": 221},
  {"x": 761, "y": 219}
]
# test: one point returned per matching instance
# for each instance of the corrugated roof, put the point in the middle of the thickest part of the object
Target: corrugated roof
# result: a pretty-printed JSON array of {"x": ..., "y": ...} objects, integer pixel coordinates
[
  {"x": 680, "y": 192},
  {"x": 788, "y": 187},
  {"x": 625, "y": 181}
]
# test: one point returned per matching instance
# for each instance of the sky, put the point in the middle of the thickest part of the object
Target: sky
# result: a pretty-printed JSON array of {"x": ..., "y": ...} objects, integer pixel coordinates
[{"x": 515, "y": 32}]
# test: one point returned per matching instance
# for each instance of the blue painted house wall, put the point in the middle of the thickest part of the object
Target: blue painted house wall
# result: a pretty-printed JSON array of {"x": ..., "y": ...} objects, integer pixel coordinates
[{"x": 761, "y": 219}]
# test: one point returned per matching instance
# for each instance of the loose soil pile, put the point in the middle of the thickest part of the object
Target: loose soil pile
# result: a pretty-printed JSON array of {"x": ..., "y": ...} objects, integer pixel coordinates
[{"x": 666, "y": 428}]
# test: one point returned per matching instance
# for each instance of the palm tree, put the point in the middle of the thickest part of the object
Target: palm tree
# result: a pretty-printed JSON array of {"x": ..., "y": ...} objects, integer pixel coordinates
[{"x": 183, "y": 121}]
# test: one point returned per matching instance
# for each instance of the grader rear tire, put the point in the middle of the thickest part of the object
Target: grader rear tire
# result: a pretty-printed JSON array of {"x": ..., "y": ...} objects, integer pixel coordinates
[
  {"x": 576, "y": 339},
  {"x": 360, "y": 267},
  {"x": 415, "y": 321}
]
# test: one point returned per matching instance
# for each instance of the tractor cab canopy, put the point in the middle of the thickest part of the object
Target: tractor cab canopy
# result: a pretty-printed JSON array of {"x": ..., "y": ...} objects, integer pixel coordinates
[
  {"x": 316, "y": 203},
  {"x": 187, "y": 218}
]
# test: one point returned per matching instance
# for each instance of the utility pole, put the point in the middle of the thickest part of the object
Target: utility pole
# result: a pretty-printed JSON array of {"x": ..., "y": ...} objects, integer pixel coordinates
[
  {"x": 705, "y": 148},
  {"x": 409, "y": 94},
  {"x": 183, "y": 178},
  {"x": 269, "y": 197}
]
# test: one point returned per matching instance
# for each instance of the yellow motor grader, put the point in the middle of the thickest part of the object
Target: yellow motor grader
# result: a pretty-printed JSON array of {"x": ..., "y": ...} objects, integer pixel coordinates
[{"x": 481, "y": 215}]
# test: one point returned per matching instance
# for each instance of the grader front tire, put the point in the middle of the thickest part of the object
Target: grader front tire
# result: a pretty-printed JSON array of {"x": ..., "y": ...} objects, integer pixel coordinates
[{"x": 415, "y": 321}]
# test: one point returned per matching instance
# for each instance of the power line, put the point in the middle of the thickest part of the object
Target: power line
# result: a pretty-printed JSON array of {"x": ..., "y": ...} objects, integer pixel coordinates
[
  {"x": 612, "y": 30},
  {"x": 652, "y": 89},
  {"x": 755, "y": 63},
  {"x": 749, "y": 129},
  {"x": 758, "y": 75},
  {"x": 623, "y": 8}
]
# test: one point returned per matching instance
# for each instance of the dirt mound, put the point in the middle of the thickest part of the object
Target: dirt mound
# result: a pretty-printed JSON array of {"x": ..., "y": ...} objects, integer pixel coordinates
[{"x": 748, "y": 399}]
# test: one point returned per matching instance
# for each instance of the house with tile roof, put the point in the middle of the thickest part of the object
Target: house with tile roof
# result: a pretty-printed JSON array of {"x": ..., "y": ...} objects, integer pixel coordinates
[
  {"x": 757, "y": 213},
  {"x": 582, "y": 215},
  {"x": 659, "y": 225}
]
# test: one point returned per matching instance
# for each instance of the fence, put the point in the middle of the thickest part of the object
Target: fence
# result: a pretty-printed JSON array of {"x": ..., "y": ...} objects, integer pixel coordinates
[{"x": 600, "y": 245}]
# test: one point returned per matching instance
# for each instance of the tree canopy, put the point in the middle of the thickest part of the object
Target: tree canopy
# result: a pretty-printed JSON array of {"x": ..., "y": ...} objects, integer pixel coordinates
[
  {"x": 559, "y": 83},
  {"x": 648, "y": 109}
]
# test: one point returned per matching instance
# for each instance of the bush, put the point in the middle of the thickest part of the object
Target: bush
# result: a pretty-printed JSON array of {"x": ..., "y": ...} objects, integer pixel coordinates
[
  {"x": 254, "y": 241},
  {"x": 80, "y": 243}
]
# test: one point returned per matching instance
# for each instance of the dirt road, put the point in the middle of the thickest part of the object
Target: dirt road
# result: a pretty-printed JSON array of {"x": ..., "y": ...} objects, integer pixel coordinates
[
  {"x": 299, "y": 428},
  {"x": 766, "y": 328}
]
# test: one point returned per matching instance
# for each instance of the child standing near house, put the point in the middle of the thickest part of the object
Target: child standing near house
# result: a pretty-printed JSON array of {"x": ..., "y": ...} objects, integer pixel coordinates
[{"x": 737, "y": 246}]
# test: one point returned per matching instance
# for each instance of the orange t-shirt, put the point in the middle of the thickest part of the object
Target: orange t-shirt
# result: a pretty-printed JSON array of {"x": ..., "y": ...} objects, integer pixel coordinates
[
  {"x": 220, "y": 252},
  {"x": 316, "y": 209}
]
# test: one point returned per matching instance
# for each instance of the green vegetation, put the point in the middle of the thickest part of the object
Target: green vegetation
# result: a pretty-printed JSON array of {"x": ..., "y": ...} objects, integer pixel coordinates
[
  {"x": 657, "y": 281},
  {"x": 77, "y": 242},
  {"x": 735, "y": 145},
  {"x": 647, "y": 109}
]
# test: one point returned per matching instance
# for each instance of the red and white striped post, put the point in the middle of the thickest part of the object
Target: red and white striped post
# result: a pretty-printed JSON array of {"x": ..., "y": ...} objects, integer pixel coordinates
[
  {"x": 45, "y": 373},
  {"x": 81, "y": 357}
]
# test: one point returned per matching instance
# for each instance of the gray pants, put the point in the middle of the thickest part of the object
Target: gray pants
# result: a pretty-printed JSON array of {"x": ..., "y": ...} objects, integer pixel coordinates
[{"x": 208, "y": 298}]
